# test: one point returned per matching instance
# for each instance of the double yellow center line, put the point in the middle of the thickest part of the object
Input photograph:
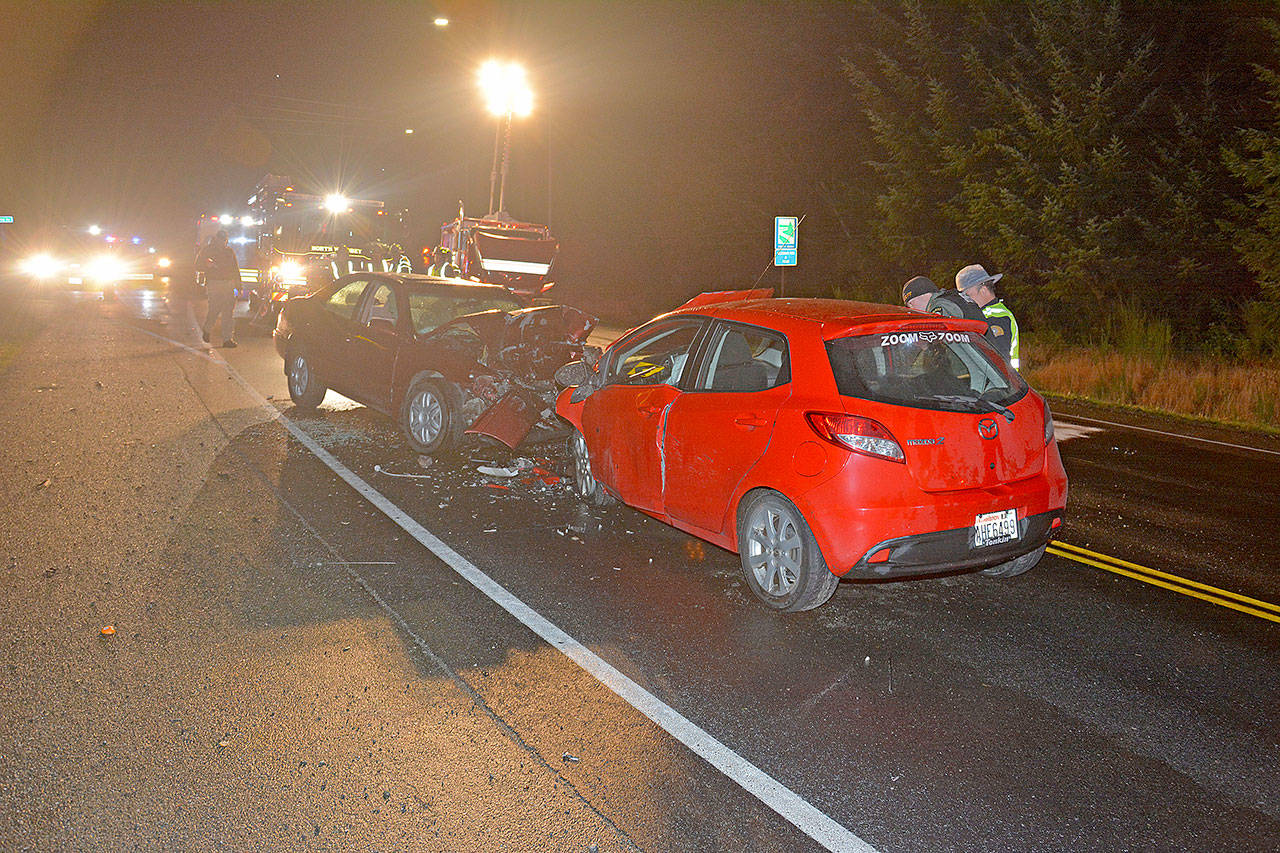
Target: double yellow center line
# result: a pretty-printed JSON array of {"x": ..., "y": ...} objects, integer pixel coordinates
[{"x": 1225, "y": 598}]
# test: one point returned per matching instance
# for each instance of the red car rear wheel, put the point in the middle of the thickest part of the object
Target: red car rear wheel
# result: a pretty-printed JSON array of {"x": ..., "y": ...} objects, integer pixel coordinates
[{"x": 781, "y": 559}]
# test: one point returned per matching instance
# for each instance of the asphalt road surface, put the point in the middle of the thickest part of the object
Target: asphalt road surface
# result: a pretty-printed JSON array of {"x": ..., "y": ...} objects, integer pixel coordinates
[{"x": 321, "y": 644}]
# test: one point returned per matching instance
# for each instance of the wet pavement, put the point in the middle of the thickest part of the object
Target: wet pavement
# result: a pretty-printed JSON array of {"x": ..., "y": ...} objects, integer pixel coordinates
[{"x": 284, "y": 649}]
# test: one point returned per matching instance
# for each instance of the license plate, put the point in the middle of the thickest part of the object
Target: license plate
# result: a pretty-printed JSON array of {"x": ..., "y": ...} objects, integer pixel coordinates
[{"x": 992, "y": 528}]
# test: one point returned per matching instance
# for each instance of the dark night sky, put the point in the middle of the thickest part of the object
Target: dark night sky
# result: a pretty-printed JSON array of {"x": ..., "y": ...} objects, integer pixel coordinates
[{"x": 665, "y": 136}]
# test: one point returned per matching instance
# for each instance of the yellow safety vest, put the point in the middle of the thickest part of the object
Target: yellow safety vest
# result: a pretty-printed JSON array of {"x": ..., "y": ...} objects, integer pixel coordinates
[{"x": 998, "y": 310}]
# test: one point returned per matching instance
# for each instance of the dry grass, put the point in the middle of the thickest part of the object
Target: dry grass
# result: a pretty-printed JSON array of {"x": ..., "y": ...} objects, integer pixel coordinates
[{"x": 1239, "y": 393}]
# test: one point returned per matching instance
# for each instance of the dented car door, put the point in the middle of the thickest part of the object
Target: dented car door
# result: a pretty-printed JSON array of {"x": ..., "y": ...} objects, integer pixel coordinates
[
  {"x": 717, "y": 431},
  {"x": 623, "y": 422}
]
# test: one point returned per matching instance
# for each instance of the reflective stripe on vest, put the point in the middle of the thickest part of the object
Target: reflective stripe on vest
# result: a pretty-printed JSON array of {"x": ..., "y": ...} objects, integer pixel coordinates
[{"x": 991, "y": 311}]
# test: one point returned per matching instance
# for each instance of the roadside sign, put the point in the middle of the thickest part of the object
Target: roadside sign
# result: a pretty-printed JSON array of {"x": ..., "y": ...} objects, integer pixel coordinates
[
  {"x": 6, "y": 220},
  {"x": 786, "y": 240}
]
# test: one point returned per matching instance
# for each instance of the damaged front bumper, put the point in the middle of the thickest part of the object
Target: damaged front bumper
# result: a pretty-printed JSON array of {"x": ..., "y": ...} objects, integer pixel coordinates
[{"x": 518, "y": 394}]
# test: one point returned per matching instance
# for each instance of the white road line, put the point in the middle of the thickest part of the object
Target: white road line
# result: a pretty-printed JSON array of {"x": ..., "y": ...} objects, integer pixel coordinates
[
  {"x": 1063, "y": 431},
  {"x": 787, "y": 803},
  {"x": 1169, "y": 434}
]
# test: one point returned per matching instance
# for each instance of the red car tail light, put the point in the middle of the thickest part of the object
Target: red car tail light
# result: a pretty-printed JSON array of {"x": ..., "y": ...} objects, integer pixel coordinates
[{"x": 861, "y": 435}]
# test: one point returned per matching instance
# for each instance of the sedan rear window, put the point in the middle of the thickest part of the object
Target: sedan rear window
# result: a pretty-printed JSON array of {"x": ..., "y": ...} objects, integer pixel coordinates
[{"x": 933, "y": 369}]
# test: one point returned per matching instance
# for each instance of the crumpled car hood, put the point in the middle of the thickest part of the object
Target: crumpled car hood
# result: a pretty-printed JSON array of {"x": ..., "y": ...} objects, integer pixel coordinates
[
  {"x": 511, "y": 389},
  {"x": 533, "y": 341}
]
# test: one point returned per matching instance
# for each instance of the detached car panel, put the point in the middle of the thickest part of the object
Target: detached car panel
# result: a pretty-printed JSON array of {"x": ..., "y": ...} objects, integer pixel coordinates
[
  {"x": 821, "y": 439},
  {"x": 436, "y": 353}
]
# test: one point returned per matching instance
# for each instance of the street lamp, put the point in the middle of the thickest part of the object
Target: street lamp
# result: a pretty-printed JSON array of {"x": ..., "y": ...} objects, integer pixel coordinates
[
  {"x": 507, "y": 94},
  {"x": 337, "y": 203}
]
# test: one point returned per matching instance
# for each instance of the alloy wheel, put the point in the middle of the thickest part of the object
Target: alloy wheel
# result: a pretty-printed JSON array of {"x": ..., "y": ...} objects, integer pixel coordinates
[
  {"x": 299, "y": 376},
  {"x": 775, "y": 549},
  {"x": 583, "y": 480},
  {"x": 426, "y": 417}
]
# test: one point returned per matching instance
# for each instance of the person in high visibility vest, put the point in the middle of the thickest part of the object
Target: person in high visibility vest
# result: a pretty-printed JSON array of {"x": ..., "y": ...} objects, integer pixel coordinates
[
  {"x": 444, "y": 265},
  {"x": 976, "y": 283}
]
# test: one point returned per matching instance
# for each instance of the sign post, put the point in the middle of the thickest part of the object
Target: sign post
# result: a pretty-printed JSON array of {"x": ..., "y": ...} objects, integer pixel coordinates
[{"x": 786, "y": 243}]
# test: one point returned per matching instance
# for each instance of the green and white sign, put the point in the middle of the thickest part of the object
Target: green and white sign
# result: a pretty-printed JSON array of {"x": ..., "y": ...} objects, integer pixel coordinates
[{"x": 786, "y": 240}]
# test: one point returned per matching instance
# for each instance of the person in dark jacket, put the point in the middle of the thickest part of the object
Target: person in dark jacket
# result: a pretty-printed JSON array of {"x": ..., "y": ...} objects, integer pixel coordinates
[
  {"x": 921, "y": 294},
  {"x": 221, "y": 274}
]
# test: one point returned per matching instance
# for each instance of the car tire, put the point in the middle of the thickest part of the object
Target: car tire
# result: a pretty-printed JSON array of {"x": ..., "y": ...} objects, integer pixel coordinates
[
  {"x": 305, "y": 388},
  {"x": 429, "y": 417},
  {"x": 585, "y": 484},
  {"x": 1016, "y": 566},
  {"x": 780, "y": 557}
]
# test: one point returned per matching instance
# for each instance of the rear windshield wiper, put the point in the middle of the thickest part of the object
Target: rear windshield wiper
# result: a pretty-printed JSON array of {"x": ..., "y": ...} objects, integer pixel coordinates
[{"x": 983, "y": 404}]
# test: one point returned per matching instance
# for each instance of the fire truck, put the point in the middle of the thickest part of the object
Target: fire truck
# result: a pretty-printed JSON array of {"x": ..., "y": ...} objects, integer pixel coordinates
[
  {"x": 499, "y": 250},
  {"x": 288, "y": 242}
]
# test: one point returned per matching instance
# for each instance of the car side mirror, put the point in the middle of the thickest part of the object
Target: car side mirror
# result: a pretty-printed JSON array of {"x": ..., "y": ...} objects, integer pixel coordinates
[
  {"x": 383, "y": 324},
  {"x": 583, "y": 376},
  {"x": 573, "y": 373}
]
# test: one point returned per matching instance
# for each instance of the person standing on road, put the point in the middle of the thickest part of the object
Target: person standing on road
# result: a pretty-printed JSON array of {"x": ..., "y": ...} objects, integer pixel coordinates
[
  {"x": 921, "y": 294},
  {"x": 221, "y": 274},
  {"x": 976, "y": 283}
]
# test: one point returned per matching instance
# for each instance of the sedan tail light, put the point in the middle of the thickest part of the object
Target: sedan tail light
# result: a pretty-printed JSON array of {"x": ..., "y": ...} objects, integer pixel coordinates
[{"x": 861, "y": 435}]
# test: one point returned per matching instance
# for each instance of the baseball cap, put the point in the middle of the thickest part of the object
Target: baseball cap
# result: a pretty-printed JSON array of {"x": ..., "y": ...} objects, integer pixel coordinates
[
  {"x": 974, "y": 275},
  {"x": 917, "y": 286}
]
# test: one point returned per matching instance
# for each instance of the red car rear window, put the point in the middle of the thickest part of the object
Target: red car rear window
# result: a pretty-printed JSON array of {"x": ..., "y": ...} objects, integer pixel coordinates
[{"x": 931, "y": 369}]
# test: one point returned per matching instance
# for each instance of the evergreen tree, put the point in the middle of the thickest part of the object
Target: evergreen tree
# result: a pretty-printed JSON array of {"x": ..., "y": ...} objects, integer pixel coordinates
[
  {"x": 909, "y": 92},
  {"x": 1071, "y": 144},
  {"x": 1257, "y": 165},
  {"x": 1052, "y": 182},
  {"x": 1256, "y": 224}
]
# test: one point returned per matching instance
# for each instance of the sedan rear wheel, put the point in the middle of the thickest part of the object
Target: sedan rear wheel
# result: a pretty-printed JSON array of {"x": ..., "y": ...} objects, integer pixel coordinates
[
  {"x": 1017, "y": 565},
  {"x": 429, "y": 417},
  {"x": 305, "y": 388},
  {"x": 780, "y": 557},
  {"x": 584, "y": 481}
]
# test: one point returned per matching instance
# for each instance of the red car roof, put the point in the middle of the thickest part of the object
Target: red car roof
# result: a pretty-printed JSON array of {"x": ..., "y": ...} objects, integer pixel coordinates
[{"x": 834, "y": 317}]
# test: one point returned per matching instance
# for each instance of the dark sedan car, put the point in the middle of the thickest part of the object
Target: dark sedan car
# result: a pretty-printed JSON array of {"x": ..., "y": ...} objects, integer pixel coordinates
[{"x": 441, "y": 355}]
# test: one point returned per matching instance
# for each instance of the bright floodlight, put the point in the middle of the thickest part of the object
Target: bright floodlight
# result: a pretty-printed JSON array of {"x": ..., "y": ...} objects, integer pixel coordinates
[
  {"x": 224, "y": 219},
  {"x": 95, "y": 230},
  {"x": 441, "y": 22},
  {"x": 506, "y": 90},
  {"x": 163, "y": 263},
  {"x": 246, "y": 221},
  {"x": 337, "y": 203}
]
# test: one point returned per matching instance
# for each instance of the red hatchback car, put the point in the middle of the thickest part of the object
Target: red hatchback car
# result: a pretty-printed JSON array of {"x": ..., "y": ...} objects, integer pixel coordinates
[{"x": 820, "y": 439}]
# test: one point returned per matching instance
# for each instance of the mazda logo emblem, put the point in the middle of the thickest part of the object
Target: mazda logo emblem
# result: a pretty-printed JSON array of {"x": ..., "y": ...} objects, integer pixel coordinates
[{"x": 988, "y": 428}]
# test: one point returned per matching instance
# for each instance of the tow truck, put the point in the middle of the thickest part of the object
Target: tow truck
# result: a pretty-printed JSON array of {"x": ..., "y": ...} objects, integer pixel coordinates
[{"x": 498, "y": 249}]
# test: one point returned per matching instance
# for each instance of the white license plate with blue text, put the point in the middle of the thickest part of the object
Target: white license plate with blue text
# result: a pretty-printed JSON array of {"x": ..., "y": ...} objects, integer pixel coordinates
[{"x": 992, "y": 528}]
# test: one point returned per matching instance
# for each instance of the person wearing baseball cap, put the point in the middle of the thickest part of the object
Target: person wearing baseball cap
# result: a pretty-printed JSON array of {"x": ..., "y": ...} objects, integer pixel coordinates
[
  {"x": 921, "y": 294},
  {"x": 975, "y": 283}
]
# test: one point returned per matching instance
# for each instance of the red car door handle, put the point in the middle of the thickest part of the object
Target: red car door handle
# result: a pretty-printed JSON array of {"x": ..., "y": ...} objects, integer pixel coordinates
[
  {"x": 751, "y": 421},
  {"x": 650, "y": 410}
]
